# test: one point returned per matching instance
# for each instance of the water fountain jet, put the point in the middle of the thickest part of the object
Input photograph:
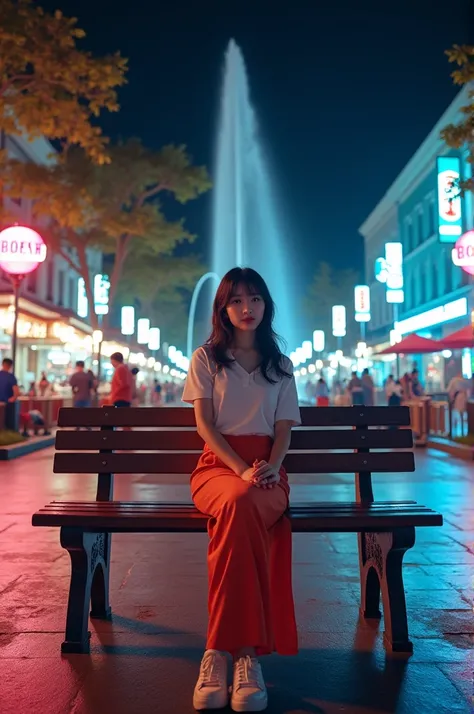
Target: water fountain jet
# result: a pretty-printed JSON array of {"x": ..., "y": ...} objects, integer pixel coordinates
[{"x": 246, "y": 228}]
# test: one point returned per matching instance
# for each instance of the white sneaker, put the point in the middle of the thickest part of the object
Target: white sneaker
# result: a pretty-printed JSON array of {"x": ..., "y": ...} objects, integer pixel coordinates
[
  {"x": 249, "y": 693},
  {"x": 211, "y": 690}
]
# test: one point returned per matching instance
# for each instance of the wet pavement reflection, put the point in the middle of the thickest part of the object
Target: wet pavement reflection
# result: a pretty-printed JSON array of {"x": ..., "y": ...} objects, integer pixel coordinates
[{"x": 146, "y": 660}]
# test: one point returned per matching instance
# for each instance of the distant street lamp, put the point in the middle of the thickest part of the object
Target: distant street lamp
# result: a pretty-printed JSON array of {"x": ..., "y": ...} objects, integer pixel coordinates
[
  {"x": 128, "y": 320},
  {"x": 21, "y": 251},
  {"x": 143, "y": 329},
  {"x": 154, "y": 339}
]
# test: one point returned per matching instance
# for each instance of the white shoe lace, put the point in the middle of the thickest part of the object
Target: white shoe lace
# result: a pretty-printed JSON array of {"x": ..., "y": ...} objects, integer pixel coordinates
[
  {"x": 212, "y": 670},
  {"x": 248, "y": 673}
]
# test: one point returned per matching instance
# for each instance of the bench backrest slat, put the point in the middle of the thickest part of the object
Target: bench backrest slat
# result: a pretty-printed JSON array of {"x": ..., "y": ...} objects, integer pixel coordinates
[
  {"x": 184, "y": 463},
  {"x": 184, "y": 416},
  {"x": 174, "y": 440}
]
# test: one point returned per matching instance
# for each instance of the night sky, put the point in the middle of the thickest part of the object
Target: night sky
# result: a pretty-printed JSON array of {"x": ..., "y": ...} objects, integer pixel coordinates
[{"x": 345, "y": 92}]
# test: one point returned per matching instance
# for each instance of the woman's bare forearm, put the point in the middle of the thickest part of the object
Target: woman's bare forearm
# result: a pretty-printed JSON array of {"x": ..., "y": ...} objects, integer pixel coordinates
[
  {"x": 220, "y": 447},
  {"x": 281, "y": 444}
]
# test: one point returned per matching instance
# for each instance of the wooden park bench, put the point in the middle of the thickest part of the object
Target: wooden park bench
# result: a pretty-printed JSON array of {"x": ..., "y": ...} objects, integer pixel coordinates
[{"x": 385, "y": 529}]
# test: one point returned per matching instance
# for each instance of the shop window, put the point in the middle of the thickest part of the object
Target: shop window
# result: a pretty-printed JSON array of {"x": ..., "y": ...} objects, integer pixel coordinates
[
  {"x": 419, "y": 226},
  {"x": 72, "y": 293},
  {"x": 409, "y": 236},
  {"x": 465, "y": 278},
  {"x": 61, "y": 288},
  {"x": 50, "y": 279},
  {"x": 422, "y": 287},
  {"x": 434, "y": 282},
  {"x": 413, "y": 300},
  {"x": 431, "y": 218},
  {"x": 448, "y": 270}
]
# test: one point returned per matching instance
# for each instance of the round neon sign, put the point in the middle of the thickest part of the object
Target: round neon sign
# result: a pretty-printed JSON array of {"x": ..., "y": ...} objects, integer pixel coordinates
[
  {"x": 463, "y": 252},
  {"x": 21, "y": 250}
]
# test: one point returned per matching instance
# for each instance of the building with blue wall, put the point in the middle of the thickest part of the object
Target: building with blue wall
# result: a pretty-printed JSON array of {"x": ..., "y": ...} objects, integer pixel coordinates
[{"x": 438, "y": 296}]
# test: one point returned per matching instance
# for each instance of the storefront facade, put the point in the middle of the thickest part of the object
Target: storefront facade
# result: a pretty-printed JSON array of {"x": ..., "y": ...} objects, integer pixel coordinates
[
  {"x": 49, "y": 340},
  {"x": 438, "y": 296}
]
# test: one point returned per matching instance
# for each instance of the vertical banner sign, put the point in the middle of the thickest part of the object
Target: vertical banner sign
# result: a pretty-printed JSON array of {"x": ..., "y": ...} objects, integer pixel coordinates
[
  {"x": 128, "y": 320},
  {"x": 362, "y": 303},
  {"x": 101, "y": 294},
  {"x": 449, "y": 200},
  {"x": 318, "y": 340},
  {"x": 143, "y": 331},
  {"x": 338, "y": 320},
  {"x": 394, "y": 264},
  {"x": 82, "y": 301},
  {"x": 154, "y": 338}
]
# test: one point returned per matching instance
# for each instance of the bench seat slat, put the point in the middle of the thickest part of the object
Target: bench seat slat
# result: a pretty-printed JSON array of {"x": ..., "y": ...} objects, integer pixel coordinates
[
  {"x": 106, "y": 505},
  {"x": 174, "y": 440},
  {"x": 184, "y": 416},
  {"x": 184, "y": 463},
  {"x": 178, "y": 511},
  {"x": 186, "y": 518}
]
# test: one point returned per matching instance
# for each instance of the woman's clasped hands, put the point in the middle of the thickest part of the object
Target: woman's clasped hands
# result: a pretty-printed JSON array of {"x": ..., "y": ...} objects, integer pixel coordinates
[{"x": 261, "y": 474}]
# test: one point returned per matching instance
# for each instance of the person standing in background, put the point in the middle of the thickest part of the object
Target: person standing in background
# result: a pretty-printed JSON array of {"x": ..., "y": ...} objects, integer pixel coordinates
[
  {"x": 368, "y": 388},
  {"x": 322, "y": 393},
  {"x": 458, "y": 392},
  {"x": 43, "y": 385},
  {"x": 82, "y": 386},
  {"x": 135, "y": 399},
  {"x": 416, "y": 386},
  {"x": 156, "y": 397},
  {"x": 406, "y": 387},
  {"x": 355, "y": 390},
  {"x": 9, "y": 393},
  {"x": 95, "y": 386},
  {"x": 393, "y": 391},
  {"x": 121, "y": 392}
]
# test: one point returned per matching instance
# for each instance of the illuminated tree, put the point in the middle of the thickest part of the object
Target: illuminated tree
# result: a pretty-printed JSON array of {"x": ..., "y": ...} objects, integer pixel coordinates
[
  {"x": 49, "y": 87},
  {"x": 461, "y": 135},
  {"x": 113, "y": 207}
]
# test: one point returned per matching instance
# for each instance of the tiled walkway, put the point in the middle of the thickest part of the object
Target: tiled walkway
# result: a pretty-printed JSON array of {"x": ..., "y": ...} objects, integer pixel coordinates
[{"x": 146, "y": 660}]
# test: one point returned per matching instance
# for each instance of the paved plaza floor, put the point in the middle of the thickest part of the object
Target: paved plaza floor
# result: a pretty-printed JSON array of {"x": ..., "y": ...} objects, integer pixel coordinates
[{"x": 146, "y": 660}]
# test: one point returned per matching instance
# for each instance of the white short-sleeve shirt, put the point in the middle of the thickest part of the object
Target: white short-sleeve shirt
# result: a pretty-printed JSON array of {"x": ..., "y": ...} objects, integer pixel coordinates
[{"x": 243, "y": 403}]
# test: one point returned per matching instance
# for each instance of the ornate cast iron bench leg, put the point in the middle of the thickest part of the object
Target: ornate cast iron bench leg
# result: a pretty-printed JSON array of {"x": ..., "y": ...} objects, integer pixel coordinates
[
  {"x": 89, "y": 573},
  {"x": 369, "y": 579},
  {"x": 100, "y": 566},
  {"x": 381, "y": 561}
]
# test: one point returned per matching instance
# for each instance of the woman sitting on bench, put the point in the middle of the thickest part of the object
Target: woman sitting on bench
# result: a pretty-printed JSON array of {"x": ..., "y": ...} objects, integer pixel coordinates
[{"x": 244, "y": 396}]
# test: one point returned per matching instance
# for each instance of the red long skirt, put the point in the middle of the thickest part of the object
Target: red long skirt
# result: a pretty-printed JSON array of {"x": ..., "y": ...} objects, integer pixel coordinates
[{"x": 249, "y": 557}]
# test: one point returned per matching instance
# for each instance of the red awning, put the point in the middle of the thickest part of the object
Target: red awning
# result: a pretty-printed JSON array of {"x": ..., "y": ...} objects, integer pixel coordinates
[
  {"x": 458, "y": 340},
  {"x": 413, "y": 345}
]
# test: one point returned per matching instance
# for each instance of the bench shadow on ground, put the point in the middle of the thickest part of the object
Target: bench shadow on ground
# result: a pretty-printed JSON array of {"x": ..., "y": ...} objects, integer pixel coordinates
[{"x": 339, "y": 679}]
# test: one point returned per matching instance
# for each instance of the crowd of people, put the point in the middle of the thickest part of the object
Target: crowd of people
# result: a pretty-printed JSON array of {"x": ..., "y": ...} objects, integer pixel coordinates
[
  {"x": 356, "y": 391},
  {"x": 87, "y": 391},
  {"x": 124, "y": 388}
]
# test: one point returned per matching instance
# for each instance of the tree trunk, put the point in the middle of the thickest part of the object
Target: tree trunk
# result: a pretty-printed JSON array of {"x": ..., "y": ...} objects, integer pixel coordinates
[
  {"x": 85, "y": 273},
  {"x": 120, "y": 256}
]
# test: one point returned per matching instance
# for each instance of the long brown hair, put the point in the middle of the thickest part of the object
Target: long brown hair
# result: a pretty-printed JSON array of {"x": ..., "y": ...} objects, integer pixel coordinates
[{"x": 267, "y": 341}]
